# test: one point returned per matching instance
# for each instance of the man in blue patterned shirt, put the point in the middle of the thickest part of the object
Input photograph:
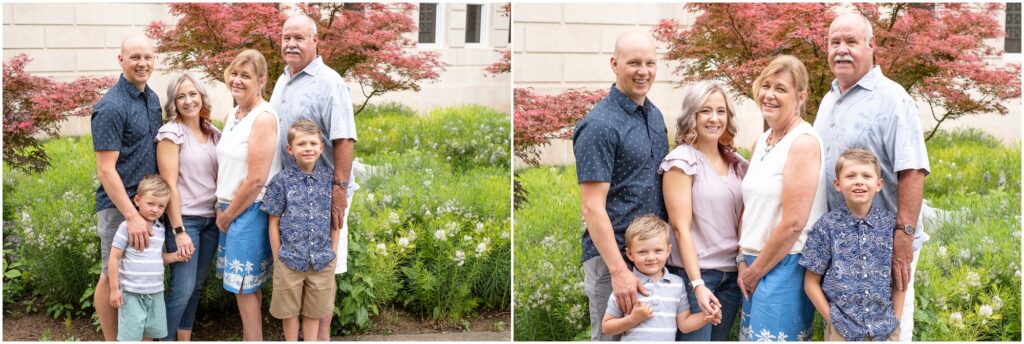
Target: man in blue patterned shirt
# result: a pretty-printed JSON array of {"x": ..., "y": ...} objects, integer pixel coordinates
[
  {"x": 618, "y": 148},
  {"x": 298, "y": 201},
  {"x": 852, "y": 247}
]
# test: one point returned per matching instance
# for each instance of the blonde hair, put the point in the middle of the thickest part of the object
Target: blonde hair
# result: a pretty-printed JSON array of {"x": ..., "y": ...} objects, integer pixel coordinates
[
  {"x": 153, "y": 185},
  {"x": 646, "y": 227},
  {"x": 248, "y": 56},
  {"x": 860, "y": 156},
  {"x": 171, "y": 106},
  {"x": 304, "y": 126},
  {"x": 784, "y": 64}
]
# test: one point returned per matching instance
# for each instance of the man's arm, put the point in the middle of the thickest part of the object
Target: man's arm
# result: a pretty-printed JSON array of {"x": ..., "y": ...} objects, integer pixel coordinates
[
  {"x": 908, "y": 206},
  {"x": 624, "y": 284},
  {"x": 106, "y": 172},
  {"x": 343, "y": 152}
]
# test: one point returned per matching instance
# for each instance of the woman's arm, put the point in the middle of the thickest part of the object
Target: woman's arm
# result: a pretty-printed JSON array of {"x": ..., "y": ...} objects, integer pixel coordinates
[
  {"x": 800, "y": 179},
  {"x": 167, "y": 160},
  {"x": 678, "y": 190},
  {"x": 262, "y": 140}
]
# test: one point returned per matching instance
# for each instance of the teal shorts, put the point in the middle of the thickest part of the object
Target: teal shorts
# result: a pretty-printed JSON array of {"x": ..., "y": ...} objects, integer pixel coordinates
[{"x": 141, "y": 315}]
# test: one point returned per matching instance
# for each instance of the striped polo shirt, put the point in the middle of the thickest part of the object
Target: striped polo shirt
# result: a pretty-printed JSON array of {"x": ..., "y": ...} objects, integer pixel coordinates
[
  {"x": 141, "y": 272},
  {"x": 668, "y": 298}
]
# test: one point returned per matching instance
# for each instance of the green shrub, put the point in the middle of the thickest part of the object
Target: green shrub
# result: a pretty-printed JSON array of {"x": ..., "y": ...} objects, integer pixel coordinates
[
  {"x": 50, "y": 218},
  {"x": 549, "y": 299}
]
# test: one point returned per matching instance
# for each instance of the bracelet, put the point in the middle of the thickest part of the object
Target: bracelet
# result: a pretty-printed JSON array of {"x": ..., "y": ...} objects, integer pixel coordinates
[
  {"x": 740, "y": 258},
  {"x": 696, "y": 283}
]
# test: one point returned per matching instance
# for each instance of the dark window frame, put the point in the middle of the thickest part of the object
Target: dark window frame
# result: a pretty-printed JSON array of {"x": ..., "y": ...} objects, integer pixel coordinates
[{"x": 1011, "y": 44}]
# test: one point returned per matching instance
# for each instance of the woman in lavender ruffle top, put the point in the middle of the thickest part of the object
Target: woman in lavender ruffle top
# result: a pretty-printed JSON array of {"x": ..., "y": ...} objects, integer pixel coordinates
[{"x": 701, "y": 184}]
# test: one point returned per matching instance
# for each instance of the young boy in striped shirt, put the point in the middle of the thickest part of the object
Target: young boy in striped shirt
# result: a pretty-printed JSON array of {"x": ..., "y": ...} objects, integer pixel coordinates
[
  {"x": 655, "y": 317},
  {"x": 141, "y": 313}
]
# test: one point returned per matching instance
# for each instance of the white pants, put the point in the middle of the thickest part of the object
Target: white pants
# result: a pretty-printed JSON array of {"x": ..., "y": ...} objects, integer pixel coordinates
[{"x": 907, "y": 321}]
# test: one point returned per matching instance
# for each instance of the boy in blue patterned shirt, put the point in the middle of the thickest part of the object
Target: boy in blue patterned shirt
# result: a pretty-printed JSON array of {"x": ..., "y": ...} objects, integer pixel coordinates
[
  {"x": 303, "y": 243},
  {"x": 852, "y": 247}
]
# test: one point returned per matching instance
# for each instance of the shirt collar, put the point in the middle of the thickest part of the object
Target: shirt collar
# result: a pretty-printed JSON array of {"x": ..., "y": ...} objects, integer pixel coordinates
[
  {"x": 312, "y": 68},
  {"x": 318, "y": 170},
  {"x": 644, "y": 278},
  {"x": 872, "y": 218},
  {"x": 127, "y": 87},
  {"x": 868, "y": 82},
  {"x": 628, "y": 104}
]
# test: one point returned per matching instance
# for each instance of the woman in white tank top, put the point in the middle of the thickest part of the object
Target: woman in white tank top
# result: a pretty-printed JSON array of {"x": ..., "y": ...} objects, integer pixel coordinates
[
  {"x": 783, "y": 195},
  {"x": 247, "y": 159}
]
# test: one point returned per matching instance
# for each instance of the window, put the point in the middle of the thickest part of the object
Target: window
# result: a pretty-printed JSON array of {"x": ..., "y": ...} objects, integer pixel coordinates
[
  {"x": 1012, "y": 41},
  {"x": 428, "y": 23},
  {"x": 474, "y": 23}
]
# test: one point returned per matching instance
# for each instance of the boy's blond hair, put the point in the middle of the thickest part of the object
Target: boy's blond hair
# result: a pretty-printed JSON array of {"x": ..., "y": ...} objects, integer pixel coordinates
[
  {"x": 304, "y": 126},
  {"x": 153, "y": 185},
  {"x": 860, "y": 156},
  {"x": 646, "y": 227}
]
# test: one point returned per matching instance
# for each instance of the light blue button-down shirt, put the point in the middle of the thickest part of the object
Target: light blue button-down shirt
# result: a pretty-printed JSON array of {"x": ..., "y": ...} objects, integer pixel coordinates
[
  {"x": 319, "y": 94},
  {"x": 878, "y": 114}
]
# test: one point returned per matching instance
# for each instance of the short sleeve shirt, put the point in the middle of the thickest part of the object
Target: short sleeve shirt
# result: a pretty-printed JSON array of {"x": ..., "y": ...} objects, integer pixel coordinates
[
  {"x": 878, "y": 114},
  {"x": 319, "y": 94},
  {"x": 622, "y": 143},
  {"x": 126, "y": 120},
  {"x": 303, "y": 201},
  {"x": 668, "y": 298},
  {"x": 855, "y": 257},
  {"x": 141, "y": 272}
]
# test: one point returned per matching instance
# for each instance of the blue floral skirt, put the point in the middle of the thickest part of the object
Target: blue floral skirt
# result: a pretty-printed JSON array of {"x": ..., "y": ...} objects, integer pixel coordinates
[
  {"x": 244, "y": 258},
  {"x": 779, "y": 309}
]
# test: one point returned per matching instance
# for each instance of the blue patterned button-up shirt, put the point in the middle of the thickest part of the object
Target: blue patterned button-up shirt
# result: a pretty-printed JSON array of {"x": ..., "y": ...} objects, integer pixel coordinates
[
  {"x": 303, "y": 201},
  {"x": 876, "y": 113},
  {"x": 126, "y": 120},
  {"x": 855, "y": 257},
  {"x": 622, "y": 143}
]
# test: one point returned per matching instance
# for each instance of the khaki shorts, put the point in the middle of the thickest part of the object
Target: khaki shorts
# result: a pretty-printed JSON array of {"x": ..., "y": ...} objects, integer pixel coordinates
[
  {"x": 832, "y": 336},
  {"x": 310, "y": 293}
]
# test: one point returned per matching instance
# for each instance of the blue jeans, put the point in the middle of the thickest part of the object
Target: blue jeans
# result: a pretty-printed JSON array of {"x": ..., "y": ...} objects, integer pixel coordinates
[
  {"x": 725, "y": 287},
  {"x": 189, "y": 277}
]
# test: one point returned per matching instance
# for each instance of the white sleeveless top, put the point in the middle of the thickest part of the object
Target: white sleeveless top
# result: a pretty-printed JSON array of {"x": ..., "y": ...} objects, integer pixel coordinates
[
  {"x": 233, "y": 153},
  {"x": 762, "y": 192}
]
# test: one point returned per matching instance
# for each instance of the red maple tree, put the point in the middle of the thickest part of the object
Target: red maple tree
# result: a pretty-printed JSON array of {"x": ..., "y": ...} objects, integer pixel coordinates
[
  {"x": 504, "y": 65},
  {"x": 937, "y": 52},
  {"x": 35, "y": 106},
  {"x": 539, "y": 118},
  {"x": 361, "y": 41}
]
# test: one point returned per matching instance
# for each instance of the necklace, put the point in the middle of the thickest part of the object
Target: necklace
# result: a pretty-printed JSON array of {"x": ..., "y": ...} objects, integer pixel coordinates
[{"x": 769, "y": 145}]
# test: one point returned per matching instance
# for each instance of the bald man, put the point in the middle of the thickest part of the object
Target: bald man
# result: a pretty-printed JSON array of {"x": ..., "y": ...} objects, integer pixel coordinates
[
  {"x": 618, "y": 148},
  {"x": 124, "y": 124},
  {"x": 866, "y": 109}
]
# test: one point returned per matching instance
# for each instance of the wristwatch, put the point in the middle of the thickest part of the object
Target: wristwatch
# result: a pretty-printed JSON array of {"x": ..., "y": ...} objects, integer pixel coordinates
[
  {"x": 179, "y": 230},
  {"x": 740, "y": 258},
  {"x": 907, "y": 228},
  {"x": 341, "y": 184}
]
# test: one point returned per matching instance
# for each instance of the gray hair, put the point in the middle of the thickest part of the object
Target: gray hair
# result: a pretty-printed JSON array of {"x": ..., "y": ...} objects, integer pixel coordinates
[
  {"x": 693, "y": 101},
  {"x": 310, "y": 21}
]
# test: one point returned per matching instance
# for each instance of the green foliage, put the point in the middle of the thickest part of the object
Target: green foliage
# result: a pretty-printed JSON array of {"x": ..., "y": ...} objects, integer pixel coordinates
[
  {"x": 549, "y": 299},
  {"x": 968, "y": 284},
  {"x": 52, "y": 224}
]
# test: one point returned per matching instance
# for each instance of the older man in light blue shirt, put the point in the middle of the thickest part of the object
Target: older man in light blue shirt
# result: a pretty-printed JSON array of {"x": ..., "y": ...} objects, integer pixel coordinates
[
  {"x": 866, "y": 109},
  {"x": 311, "y": 90}
]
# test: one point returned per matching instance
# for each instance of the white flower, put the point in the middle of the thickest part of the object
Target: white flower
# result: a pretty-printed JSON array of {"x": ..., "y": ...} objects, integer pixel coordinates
[
  {"x": 412, "y": 235},
  {"x": 429, "y": 214},
  {"x": 504, "y": 235},
  {"x": 460, "y": 257},
  {"x": 997, "y": 303},
  {"x": 439, "y": 235},
  {"x": 403, "y": 241},
  {"x": 382, "y": 247},
  {"x": 467, "y": 238},
  {"x": 942, "y": 251},
  {"x": 985, "y": 311},
  {"x": 481, "y": 248},
  {"x": 393, "y": 218},
  {"x": 426, "y": 183},
  {"x": 479, "y": 226},
  {"x": 451, "y": 226},
  {"x": 386, "y": 199},
  {"x": 957, "y": 319},
  {"x": 973, "y": 279},
  {"x": 965, "y": 253},
  {"x": 370, "y": 197}
]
